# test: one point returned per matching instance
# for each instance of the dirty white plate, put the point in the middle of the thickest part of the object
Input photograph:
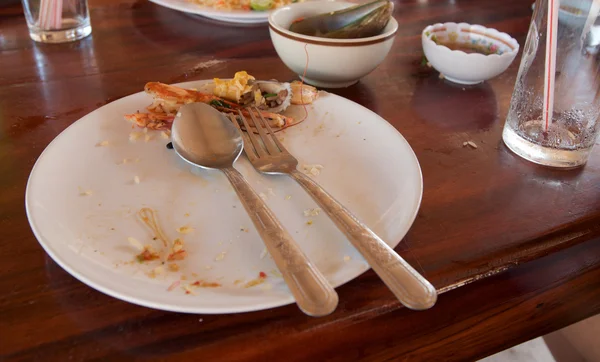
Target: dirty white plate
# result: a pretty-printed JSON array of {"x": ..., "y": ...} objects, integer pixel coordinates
[
  {"x": 82, "y": 201},
  {"x": 230, "y": 16}
]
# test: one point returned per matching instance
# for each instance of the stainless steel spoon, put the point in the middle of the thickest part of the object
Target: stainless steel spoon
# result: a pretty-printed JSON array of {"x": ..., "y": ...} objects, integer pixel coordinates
[{"x": 206, "y": 138}]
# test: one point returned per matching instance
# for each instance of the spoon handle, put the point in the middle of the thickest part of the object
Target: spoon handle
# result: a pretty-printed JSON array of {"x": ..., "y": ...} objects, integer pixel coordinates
[
  {"x": 313, "y": 294},
  {"x": 411, "y": 289}
]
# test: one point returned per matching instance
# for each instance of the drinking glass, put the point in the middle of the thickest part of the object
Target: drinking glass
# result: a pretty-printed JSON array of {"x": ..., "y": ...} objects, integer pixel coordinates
[
  {"x": 57, "y": 21},
  {"x": 565, "y": 138}
]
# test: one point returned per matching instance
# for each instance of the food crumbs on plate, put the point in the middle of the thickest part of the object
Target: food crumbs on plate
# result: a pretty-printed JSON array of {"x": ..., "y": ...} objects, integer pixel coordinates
[
  {"x": 264, "y": 253},
  {"x": 237, "y": 281},
  {"x": 83, "y": 192},
  {"x": 156, "y": 271},
  {"x": 271, "y": 192},
  {"x": 166, "y": 134},
  {"x": 173, "y": 267},
  {"x": 177, "y": 251},
  {"x": 288, "y": 197},
  {"x": 203, "y": 284},
  {"x": 244, "y": 229},
  {"x": 220, "y": 256},
  {"x": 185, "y": 229},
  {"x": 347, "y": 258},
  {"x": 102, "y": 144},
  {"x": 314, "y": 170},
  {"x": 134, "y": 136},
  {"x": 309, "y": 222},
  {"x": 188, "y": 290},
  {"x": 173, "y": 285},
  {"x": 148, "y": 254},
  {"x": 312, "y": 212},
  {"x": 262, "y": 276},
  {"x": 195, "y": 275},
  {"x": 136, "y": 180},
  {"x": 147, "y": 137},
  {"x": 187, "y": 214},
  {"x": 183, "y": 277},
  {"x": 263, "y": 196},
  {"x": 208, "y": 267},
  {"x": 136, "y": 244}
]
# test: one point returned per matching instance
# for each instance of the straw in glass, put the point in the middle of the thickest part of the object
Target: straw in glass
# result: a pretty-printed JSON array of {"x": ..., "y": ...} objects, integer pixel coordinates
[{"x": 550, "y": 66}]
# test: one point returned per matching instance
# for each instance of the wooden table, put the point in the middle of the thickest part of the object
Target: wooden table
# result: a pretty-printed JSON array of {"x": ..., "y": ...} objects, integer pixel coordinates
[{"x": 522, "y": 242}]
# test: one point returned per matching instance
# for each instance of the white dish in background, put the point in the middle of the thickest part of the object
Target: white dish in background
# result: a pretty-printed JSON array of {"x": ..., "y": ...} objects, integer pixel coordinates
[
  {"x": 229, "y": 16},
  {"x": 367, "y": 165},
  {"x": 460, "y": 67},
  {"x": 333, "y": 63},
  {"x": 567, "y": 17}
]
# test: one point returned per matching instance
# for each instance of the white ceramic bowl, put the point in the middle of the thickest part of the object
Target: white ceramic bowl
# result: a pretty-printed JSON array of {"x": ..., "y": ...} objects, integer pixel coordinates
[
  {"x": 332, "y": 63},
  {"x": 472, "y": 68}
]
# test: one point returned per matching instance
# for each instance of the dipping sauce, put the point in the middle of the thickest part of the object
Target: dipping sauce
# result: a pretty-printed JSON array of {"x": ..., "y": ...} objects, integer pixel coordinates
[
  {"x": 572, "y": 10},
  {"x": 470, "y": 48}
]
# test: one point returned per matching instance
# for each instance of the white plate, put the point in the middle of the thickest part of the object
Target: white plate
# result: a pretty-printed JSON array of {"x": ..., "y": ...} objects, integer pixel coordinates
[
  {"x": 230, "y": 16},
  {"x": 367, "y": 164}
]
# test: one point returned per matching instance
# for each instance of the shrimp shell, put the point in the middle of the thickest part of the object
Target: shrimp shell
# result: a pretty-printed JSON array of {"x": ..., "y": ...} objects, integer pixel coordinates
[
  {"x": 303, "y": 93},
  {"x": 169, "y": 98},
  {"x": 152, "y": 121}
]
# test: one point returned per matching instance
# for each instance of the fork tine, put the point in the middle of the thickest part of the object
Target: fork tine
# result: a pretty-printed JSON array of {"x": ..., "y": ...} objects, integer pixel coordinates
[
  {"x": 257, "y": 146},
  {"x": 273, "y": 150},
  {"x": 248, "y": 146},
  {"x": 275, "y": 139}
]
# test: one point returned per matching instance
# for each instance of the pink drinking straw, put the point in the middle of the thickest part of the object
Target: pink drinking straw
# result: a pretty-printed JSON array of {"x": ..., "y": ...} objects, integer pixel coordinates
[
  {"x": 43, "y": 22},
  {"x": 50, "y": 14},
  {"x": 550, "y": 68},
  {"x": 57, "y": 16}
]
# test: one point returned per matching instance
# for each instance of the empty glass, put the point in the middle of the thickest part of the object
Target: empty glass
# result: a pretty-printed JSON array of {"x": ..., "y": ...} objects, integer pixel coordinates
[
  {"x": 57, "y": 21},
  {"x": 565, "y": 138}
]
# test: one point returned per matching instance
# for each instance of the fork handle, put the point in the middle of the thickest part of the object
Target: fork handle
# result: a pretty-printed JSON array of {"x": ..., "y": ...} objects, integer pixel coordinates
[
  {"x": 411, "y": 289},
  {"x": 313, "y": 294}
]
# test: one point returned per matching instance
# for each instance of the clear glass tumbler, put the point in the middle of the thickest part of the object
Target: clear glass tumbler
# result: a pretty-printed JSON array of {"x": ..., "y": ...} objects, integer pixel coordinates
[
  {"x": 566, "y": 140},
  {"x": 57, "y": 21}
]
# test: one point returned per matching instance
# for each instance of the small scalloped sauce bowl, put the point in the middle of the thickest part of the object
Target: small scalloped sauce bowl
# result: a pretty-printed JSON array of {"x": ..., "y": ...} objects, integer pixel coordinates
[{"x": 468, "y": 54}]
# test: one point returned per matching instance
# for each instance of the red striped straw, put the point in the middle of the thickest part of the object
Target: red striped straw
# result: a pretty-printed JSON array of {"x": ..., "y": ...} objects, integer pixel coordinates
[
  {"x": 550, "y": 66},
  {"x": 50, "y": 14}
]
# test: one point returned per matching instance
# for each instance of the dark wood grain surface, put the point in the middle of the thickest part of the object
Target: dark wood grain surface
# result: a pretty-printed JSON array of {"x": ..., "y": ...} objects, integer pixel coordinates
[{"x": 484, "y": 211}]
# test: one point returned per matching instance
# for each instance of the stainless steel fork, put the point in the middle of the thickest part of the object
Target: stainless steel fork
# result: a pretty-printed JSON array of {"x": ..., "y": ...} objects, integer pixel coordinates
[{"x": 411, "y": 289}]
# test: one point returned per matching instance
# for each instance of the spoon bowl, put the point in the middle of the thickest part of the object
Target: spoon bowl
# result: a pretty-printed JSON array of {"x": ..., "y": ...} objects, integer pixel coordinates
[{"x": 204, "y": 137}]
